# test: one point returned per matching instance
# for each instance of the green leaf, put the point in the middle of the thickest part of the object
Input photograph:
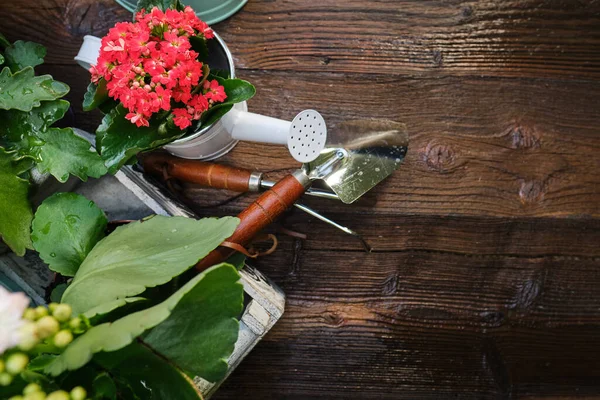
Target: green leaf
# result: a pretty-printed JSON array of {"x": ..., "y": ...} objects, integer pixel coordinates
[
  {"x": 24, "y": 91},
  {"x": 104, "y": 388},
  {"x": 1, "y": 59},
  {"x": 149, "y": 376},
  {"x": 115, "y": 335},
  {"x": 200, "y": 46},
  {"x": 144, "y": 254},
  {"x": 24, "y": 54},
  {"x": 148, "y": 5},
  {"x": 238, "y": 260},
  {"x": 41, "y": 362},
  {"x": 64, "y": 153},
  {"x": 15, "y": 210},
  {"x": 119, "y": 140},
  {"x": 237, "y": 90},
  {"x": 65, "y": 229},
  {"x": 4, "y": 43},
  {"x": 21, "y": 129},
  {"x": 57, "y": 292},
  {"x": 95, "y": 96},
  {"x": 110, "y": 306},
  {"x": 205, "y": 320}
]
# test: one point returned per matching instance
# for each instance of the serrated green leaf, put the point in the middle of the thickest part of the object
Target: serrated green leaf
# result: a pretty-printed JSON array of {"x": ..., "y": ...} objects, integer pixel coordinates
[
  {"x": 65, "y": 229},
  {"x": 95, "y": 96},
  {"x": 118, "y": 334},
  {"x": 147, "y": 375},
  {"x": 119, "y": 140},
  {"x": 205, "y": 320},
  {"x": 64, "y": 153},
  {"x": 104, "y": 388},
  {"x": 24, "y": 91},
  {"x": 143, "y": 254},
  {"x": 24, "y": 54},
  {"x": 15, "y": 210},
  {"x": 21, "y": 129}
]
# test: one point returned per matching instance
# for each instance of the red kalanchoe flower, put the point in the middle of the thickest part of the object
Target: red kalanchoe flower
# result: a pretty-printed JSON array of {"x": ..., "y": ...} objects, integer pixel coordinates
[
  {"x": 214, "y": 92},
  {"x": 182, "y": 118},
  {"x": 149, "y": 66}
]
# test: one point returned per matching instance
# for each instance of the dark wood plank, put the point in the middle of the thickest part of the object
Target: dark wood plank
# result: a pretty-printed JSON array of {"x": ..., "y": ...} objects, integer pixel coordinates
[
  {"x": 533, "y": 38},
  {"x": 426, "y": 325},
  {"x": 498, "y": 147}
]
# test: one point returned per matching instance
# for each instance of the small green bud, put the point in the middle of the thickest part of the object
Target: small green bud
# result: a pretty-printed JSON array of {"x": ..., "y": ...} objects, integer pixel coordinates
[
  {"x": 52, "y": 307},
  {"x": 16, "y": 398},
  {"x": 5, "y": 379},
  {"x": 63, "y": 338},
  {"x": 30, "y": 314},
  {"x": 16, "y": 363},
  {"x": 47, "y": 326},
  {"x": 75, "y": 323},
  {"x": 29, "y": 336},
  {"x": 58, "y": 395},
  {"x": 62, "y": 312},
  {"x": 41, "y": 311},
  {"x": 35, "y": 396},
  {"x": 32, "y": 388},
  {"x": 78, "y": 393},
  {"x": 1, "y": 365}
]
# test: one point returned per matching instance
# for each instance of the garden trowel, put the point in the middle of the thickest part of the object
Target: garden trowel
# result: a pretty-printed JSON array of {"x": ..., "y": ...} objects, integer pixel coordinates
[{"x": 358, "y": 155}]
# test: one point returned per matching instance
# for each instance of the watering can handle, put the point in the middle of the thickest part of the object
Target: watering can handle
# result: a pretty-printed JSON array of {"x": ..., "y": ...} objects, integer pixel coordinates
[{"x": 265, "y": 210}]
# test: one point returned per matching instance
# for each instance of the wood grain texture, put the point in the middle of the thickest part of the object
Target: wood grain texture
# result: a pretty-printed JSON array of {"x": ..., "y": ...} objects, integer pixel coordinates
[{"x": 484, "y": 280}]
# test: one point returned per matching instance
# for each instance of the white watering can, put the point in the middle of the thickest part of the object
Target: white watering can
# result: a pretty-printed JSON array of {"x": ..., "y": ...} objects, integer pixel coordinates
[{"x": 305, "y": 135}]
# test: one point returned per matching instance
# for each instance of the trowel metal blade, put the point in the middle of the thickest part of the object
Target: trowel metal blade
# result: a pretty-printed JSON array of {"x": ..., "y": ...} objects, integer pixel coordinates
[{"x": 367, "y": 152}]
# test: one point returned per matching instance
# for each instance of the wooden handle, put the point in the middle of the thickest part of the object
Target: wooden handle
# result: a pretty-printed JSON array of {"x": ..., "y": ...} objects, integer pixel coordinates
[
  {"x": 265, "y": 210},
  {"x": 193, "y": 171}
]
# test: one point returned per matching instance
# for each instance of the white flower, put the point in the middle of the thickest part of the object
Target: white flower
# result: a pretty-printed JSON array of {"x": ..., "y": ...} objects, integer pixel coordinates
[{"x": 12, "y": 306}]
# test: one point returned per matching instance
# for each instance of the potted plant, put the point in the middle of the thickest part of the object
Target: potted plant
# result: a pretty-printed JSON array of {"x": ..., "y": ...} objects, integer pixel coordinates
[{"x": 154, "y": 84}]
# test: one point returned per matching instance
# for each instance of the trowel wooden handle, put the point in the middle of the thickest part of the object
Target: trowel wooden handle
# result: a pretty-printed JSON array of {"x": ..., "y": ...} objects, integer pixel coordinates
[
  {"x": 265, "y": 210},
  {"x": 202, "y": 173}
]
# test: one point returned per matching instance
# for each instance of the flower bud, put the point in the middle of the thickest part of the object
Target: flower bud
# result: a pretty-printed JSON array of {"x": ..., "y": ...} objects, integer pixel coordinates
[
  {"x": 30, "y": 314},
  {"x": 47, "y": 326},
  {"x": 28, "y": 336},
  {"x": 5, "y": 379},
  {"x": 62, "y": 312},
  {"x": 52, "y": 307},
  {"x": 63, "y": 338},
  {"x": 16, "y": 398},
  {"x": 58, "y": 395},
  {"x": 75, "y": 323},
  {"x": 78, "y": 393},
  {"x": 32, "y": 388},
  {"x": 35, "y": 396},
  {"x": 41, "y": 311},
  {"x": 16, "y": 363}
]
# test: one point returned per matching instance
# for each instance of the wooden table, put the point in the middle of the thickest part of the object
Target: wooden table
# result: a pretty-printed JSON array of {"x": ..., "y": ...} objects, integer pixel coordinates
[{"x": 484, "y": 281}]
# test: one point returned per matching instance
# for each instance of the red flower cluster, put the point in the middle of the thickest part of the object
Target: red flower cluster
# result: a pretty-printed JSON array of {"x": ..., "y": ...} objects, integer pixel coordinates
[{"x": 150, "y": 66}]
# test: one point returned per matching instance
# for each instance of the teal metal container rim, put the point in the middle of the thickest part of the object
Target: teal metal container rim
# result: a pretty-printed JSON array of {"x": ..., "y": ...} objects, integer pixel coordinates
[{"x": 209, "y": 11}]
